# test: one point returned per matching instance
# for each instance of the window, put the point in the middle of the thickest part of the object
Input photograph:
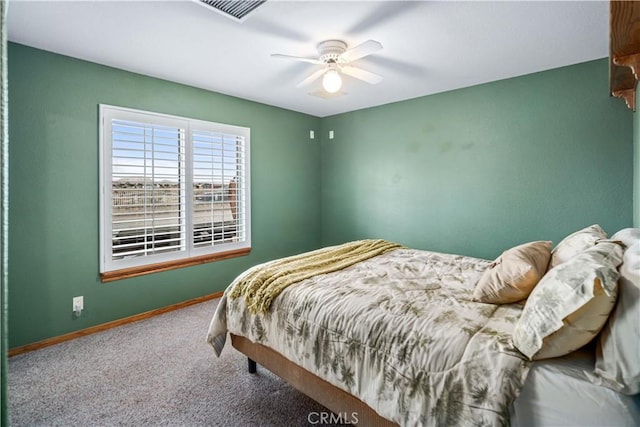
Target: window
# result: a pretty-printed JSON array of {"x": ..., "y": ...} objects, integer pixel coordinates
[{"x": 174, "y": 192}]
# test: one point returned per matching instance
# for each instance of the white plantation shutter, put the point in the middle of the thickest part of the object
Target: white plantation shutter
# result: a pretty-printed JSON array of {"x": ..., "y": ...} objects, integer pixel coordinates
[
  {"x": 172, "y": 188},
  {"x": 147, "y": 209},
  {"x": 218, "y": 187}
]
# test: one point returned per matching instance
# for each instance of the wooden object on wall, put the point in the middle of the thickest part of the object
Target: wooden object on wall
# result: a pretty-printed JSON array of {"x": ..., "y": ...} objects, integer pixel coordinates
[{"x": 624, "y": 50}]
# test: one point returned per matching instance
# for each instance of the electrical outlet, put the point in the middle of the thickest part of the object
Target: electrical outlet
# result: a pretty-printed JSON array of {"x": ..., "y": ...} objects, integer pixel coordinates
[{"x": 78, "y": 305}]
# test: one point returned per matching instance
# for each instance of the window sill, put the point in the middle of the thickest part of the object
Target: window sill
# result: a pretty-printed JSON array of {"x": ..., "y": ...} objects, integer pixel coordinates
[{"x": 126, "y": 273}]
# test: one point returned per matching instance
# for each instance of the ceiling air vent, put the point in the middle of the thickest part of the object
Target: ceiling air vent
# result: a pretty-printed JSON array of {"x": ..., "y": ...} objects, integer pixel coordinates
[{"x": 237, "y": 10}]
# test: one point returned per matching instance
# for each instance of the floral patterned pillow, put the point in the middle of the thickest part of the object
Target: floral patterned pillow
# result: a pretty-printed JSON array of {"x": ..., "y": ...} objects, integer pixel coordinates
[
  {"x": 576, "y": 243},
  {"x": 618, "y": 358},
  {"x": 570, "y": 304}
]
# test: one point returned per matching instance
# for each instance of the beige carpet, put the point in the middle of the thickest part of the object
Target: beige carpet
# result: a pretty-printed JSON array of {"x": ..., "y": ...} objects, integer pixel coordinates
[{"x": 154, "y": 372}]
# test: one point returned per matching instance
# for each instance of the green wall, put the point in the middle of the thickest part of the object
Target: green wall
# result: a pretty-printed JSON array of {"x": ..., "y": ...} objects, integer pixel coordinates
[
  {"x": 471, "y": 171},
  {"x": 54, "y": 201},
  {"x": 478, "y": 170}
]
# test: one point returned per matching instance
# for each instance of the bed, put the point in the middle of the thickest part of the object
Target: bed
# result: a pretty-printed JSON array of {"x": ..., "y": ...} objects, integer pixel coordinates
[{"x": 400, "y": 338}]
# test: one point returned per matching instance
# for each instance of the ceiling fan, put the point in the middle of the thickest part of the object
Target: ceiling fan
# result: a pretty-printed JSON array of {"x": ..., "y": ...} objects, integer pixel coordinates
[{"x": 334, "y": 57}]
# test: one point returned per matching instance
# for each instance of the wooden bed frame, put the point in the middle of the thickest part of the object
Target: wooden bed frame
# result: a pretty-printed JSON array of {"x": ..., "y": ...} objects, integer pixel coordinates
[{"x": 333, "y": 398}]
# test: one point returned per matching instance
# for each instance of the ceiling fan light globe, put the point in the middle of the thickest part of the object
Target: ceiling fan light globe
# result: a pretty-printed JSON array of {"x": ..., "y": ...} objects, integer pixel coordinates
[{"x": 331, "y": 81}]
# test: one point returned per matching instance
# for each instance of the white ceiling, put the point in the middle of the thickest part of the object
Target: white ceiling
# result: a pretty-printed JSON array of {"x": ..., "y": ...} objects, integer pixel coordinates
[{"x": 429, "y": 47}]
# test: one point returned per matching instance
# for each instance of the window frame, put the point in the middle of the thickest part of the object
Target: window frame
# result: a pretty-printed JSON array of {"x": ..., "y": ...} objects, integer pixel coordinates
[{"x": 111, "y": 269}]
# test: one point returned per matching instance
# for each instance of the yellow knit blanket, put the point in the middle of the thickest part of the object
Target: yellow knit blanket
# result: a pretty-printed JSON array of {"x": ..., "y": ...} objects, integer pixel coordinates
[{"x": 259, "y": 286}]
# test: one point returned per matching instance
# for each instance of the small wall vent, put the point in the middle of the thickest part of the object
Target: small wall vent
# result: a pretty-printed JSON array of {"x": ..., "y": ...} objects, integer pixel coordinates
[{"x": 238, "y": 10}]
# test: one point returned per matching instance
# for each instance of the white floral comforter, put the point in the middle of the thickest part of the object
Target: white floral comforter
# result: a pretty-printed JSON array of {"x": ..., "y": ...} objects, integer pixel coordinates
[{"x": 400, "y": 332}]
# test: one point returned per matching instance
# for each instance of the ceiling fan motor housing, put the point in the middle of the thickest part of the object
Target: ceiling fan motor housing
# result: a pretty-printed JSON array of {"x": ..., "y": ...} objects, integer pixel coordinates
[{"x": 330, "y": 50}]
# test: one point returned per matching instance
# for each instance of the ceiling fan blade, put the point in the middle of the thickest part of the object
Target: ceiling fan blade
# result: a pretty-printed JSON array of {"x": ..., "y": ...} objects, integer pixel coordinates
[
  {"x": 326, "y": 95},
  {"x": 313, "y": 77},
  {"x": 296, "y": 58},
  {"x": 362, "y": 50},
  {"x": 361, "y": 74},
  {"x": 384, "y": 13}
]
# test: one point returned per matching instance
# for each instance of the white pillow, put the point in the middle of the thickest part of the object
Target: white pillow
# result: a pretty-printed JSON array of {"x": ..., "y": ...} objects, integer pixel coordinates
[
  {"x": 570, "y": 304},
  {"x": 618, "y": 354},
  {"x": 576, "y": 243},
  {"x": 628, "y": 236},
  {"x": 513, "y": 275}
]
